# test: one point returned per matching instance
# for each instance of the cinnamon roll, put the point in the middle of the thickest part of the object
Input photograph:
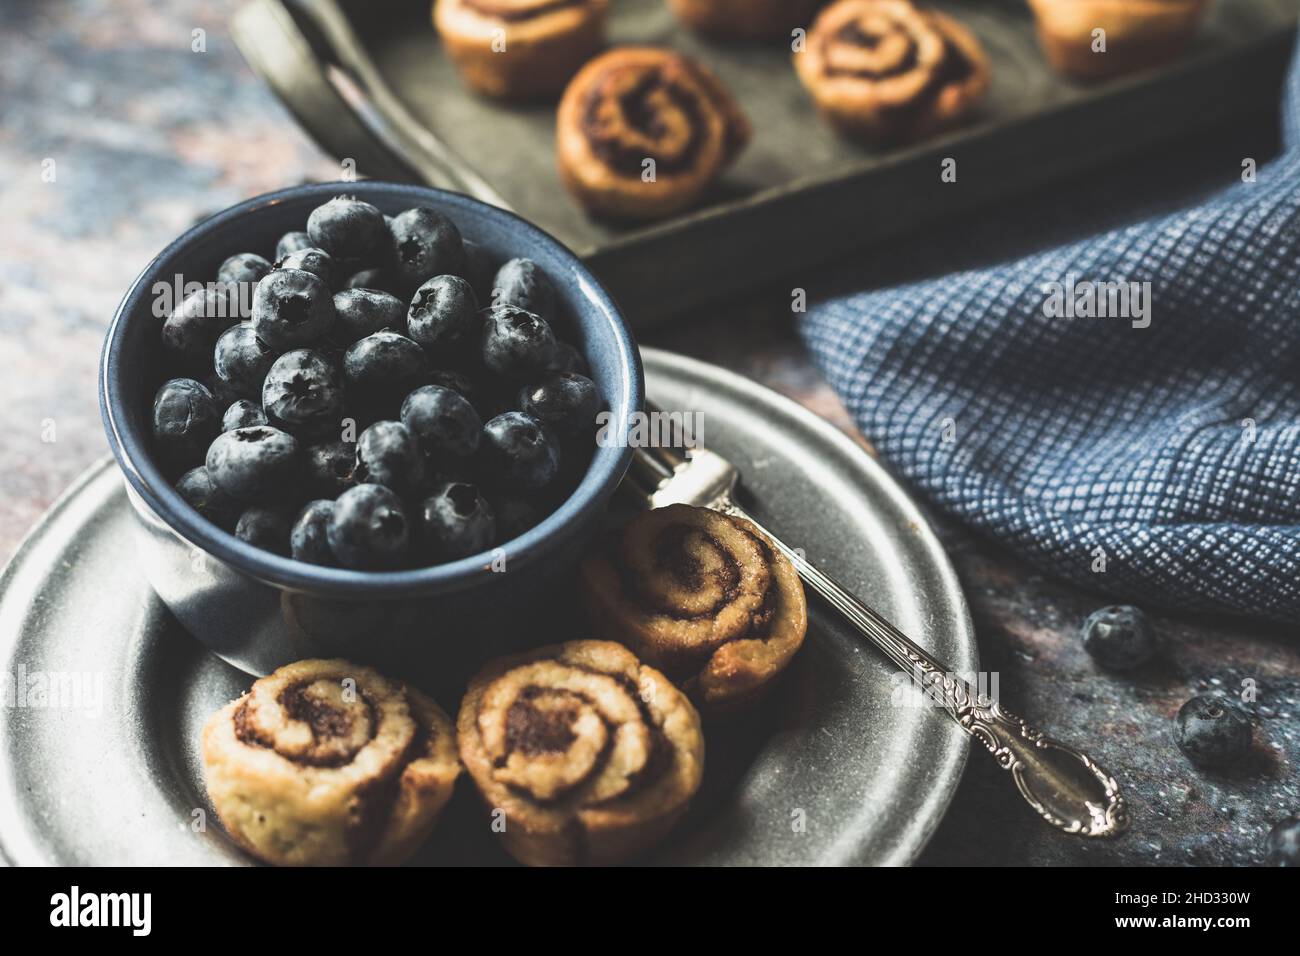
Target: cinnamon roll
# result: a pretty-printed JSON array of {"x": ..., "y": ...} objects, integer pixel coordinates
[
  {"x": 520, "y": 49},
  {"x": 642, "y": 133},
  {"x": 325, "y": 763},
  {"x": 886, "y": 70},
  {"x": 702, "y": 595},
  {"x": 744, "y": 19},
  {"x": 1139, "y": 33},
  {"x": 583, "y": 754}
]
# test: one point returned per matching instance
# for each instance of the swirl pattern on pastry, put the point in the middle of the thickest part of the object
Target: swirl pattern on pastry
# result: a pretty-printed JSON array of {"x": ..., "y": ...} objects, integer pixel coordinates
[
  {"x": 637, "y": 104},
  {"x": 590, "y": 755},
  {"x": 520, "y": 49},
  {"x": 702, "y": 595},
  {"x": 328, "y": 763},
  {"x": 1139, "y": 33},
  {"x": 887, "y": 70}
]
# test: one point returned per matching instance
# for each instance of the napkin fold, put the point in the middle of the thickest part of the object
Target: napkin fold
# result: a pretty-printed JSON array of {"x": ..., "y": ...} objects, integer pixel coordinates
[{"x": 1123, "y": 410}]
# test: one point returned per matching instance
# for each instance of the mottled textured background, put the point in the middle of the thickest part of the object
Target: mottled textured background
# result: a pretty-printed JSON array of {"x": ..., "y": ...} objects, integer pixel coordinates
[{"x": 146, "y": 136}]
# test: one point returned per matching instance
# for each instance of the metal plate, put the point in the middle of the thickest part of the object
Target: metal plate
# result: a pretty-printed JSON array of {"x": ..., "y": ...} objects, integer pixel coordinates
[
  {"x": 799, "y": 194},
  {"x": 113, "y": 777}
]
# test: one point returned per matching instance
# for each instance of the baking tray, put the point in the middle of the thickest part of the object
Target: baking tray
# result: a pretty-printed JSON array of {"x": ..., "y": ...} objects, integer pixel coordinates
[{"x": 799, "y": 195}]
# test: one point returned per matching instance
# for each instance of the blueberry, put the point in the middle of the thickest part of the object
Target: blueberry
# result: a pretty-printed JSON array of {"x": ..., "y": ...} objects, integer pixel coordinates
[
  {"x": 368, "y": 528},
  {"x": 520, "y": 453},
  {"x": 514, "y": 516},
  {"x": 330, "y": 468},
  {"x": 443, "y": 421},
  {"x": 516, "y": 344},
  {"x": 448, "y": 469},
  {"x": 303, "y": 393},
  {"x": 191, "y": 331},
  {"x": 425, "y": 243},
  {"x": 478, "y": 270},
  {"x": 567, "y": 358},
  {"x": 253, "y": 463},
  {"x": 388, "y": 454},
  {"x": 242, "y": 414},
  {"x": 1283, "y": 846},
  {"x": 455, "y": 522},
  {"x": 241, "y": 360},
  {"x": 309, "y": 537},
  {"x": 385, "y": 363},
  {"x": 362, "y": 312},
  {"x": 1119, "y": 637},
  {"x": 264, "y": 528},
  {"x": 349, "y": 229},
  {"x": 522, "y": 283},
  {"x": 292, "y": 242},
  {"x": 185, "y": 418},
  {"x": 1212, "y": 731},
  {"x": 223, "y": 393},
  {"x": 376, "y": 279},
  {"x": 567, "y": 402},
  {"x": 243, "y": 267},
  {"x": 443, "y": 315},
  {"x": 316, "y": 261},
  {"x": 292, "y": 308},
  {"x": 456, "y": 381},
  {"x": 201, "y": 493}
]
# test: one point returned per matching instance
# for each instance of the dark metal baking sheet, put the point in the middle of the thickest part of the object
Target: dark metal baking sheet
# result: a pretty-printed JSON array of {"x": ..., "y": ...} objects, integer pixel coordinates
[
  {"x": 799, "y": 195},
  {"x": 117, "y": 779}
]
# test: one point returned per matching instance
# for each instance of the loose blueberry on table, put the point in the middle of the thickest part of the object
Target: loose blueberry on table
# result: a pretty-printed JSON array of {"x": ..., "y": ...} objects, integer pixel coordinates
[
  {"x": 1283, "y": 845},
  {"x": 1213, "y": 732},
  {"x": 1119, "y": 637},
  {"x": 368, "y": 413}
]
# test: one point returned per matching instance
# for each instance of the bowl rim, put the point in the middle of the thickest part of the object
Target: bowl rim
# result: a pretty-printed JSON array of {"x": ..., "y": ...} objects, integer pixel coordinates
[{"x": 145, "y": 478}]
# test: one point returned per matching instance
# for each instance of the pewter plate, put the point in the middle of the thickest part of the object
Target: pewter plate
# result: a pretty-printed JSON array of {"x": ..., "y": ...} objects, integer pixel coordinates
[{"x": 832, "y": 770}]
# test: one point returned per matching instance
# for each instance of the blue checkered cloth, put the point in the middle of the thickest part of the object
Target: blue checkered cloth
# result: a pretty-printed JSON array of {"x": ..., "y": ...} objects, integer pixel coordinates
[{"x": 1159, "y": 465}]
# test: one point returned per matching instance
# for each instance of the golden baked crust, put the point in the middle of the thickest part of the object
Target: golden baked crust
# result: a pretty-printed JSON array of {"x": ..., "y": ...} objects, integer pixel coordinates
[
  {"x": 520, "y": 49},
  {"x": 638, "y": 103},
  {"x": 744, "y": 19},
  {"x": 702, "y": 595},
  {"x": 1139, "y": 33},
  {"x": 327, "y": 763},
  {"x": 886, "y": 70},
  {"x": 585, "y": 754}
]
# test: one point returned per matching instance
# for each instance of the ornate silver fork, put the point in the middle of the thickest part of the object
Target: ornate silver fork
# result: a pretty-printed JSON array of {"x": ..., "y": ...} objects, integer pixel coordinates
[{"x": 1066, "y": 786}]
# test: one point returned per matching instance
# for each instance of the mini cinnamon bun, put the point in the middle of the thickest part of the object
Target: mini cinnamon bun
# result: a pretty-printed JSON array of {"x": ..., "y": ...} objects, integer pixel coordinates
[
  {"x": 583, "y": 754},
  {"x": 1138, "y": 33},
  {"x": 886, "y": 70},
  {"x": 520, "y": 49},
  {"x": 702, "y": 595},
  {"x": 643, "y": 132},
  {"x": 744, "y": 19},
  {"x": 326, "y": 763}
]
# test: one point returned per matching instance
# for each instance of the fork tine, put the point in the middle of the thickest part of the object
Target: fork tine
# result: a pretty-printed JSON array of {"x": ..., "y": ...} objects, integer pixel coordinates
[
  {"x": 633, "y": 493},
  {"x": 648, "y": 472},
  {"x": 668, "y": 456}
]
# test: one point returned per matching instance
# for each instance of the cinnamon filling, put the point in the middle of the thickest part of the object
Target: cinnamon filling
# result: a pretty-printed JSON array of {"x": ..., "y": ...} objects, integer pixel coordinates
[
  {"x": 631, "y": 116},
  {"x": 557, "y": 730},
  {"x": 533, "y": 731},
  {"x": 899, "y": 52},
  {"x": 321, "y": 730}
]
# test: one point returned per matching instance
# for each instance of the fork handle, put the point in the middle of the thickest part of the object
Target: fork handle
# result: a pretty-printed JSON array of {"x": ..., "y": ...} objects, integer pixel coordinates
[{"x": 1064, "y": 785}]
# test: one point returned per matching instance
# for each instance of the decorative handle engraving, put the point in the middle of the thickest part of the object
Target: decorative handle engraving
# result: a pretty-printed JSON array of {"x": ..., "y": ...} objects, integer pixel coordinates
[{"x": 1065, "y": 786}]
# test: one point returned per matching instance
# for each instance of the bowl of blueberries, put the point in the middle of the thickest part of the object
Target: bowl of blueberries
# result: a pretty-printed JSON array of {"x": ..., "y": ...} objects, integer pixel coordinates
[{"x": 366, "y": 419}]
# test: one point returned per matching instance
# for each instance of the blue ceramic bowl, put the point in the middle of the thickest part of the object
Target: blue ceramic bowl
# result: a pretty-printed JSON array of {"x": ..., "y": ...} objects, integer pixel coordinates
[{"x": 259, "y": 610}]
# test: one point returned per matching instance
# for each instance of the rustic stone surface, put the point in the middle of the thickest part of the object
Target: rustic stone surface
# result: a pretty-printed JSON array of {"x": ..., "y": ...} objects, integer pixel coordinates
[{"x": 147, "y": 136}]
